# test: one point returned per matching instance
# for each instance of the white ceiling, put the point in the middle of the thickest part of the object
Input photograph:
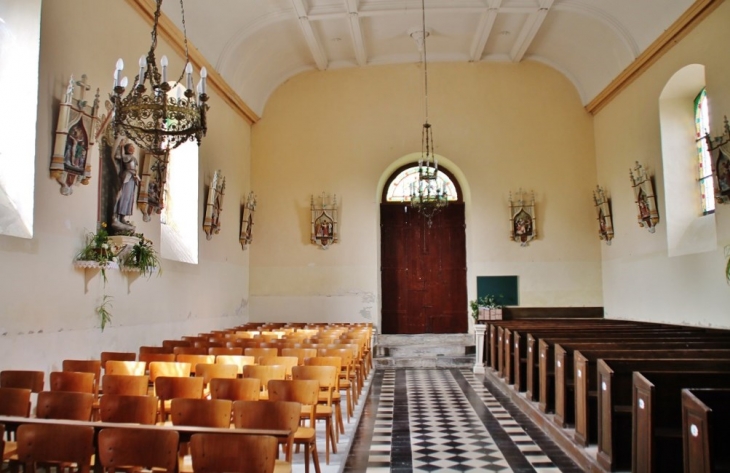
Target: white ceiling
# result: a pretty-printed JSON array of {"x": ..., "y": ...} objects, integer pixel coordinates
[{"x": 256, "y": 45}]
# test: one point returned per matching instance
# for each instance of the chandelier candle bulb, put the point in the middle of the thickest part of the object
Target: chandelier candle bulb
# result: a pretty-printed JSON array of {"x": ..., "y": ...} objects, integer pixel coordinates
[
  {"x": 118, "y": 71},
  {"x": 164, "y": 63},
  {"x": 142, "y": 68},
  {"x": 123, "y": 84},
  {"x": 204, "y": 80},
  {"x": 189, "y": 72}
]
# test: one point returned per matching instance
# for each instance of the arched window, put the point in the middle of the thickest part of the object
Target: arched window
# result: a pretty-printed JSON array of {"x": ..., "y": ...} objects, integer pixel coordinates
[
  {"x": 398, "y": 187},
  {"x": 702, "y": 128},
  {"x": 691, "y": 227},
  {"x": 179, "y": 220}
]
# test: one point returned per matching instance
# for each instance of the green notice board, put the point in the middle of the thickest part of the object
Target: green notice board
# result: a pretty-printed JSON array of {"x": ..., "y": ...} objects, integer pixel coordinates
[{"x": 504, "y": 287}]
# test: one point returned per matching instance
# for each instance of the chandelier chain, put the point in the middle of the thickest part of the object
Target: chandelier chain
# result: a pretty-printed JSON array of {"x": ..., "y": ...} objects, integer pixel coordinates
[{"x": 425, "y": 59}]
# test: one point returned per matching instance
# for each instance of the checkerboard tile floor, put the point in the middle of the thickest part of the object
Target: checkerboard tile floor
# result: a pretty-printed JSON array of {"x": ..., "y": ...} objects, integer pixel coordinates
[{"x": 429, "y": 420}]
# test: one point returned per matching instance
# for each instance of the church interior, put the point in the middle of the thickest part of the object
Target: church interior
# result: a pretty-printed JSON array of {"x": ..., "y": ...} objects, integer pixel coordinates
[{"x": 314, "y": 107}]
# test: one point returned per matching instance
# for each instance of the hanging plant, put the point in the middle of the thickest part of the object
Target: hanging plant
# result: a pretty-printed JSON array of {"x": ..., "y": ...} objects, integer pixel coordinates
[
  {"x": 103, "y": 311},
  {"x": 98, "y": 252},
  {"x": 143, "y": 257}
]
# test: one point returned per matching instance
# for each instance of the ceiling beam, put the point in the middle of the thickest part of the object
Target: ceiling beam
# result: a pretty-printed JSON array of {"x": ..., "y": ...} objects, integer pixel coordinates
[
  {"x": 320, "y": 58},
  {"x": 486, "y": 23},
  {"x": 358, "y": 41},
  {"x": 532, "y": 26}
]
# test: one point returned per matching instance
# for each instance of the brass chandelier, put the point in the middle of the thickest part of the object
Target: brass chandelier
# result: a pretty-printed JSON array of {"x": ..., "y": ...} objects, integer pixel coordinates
[
  {"x": 428, "y": 194},
  {"x": 154, "y": 121}
]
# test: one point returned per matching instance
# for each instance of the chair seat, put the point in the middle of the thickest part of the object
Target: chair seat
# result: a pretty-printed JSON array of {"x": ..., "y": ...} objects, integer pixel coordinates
[
  {"x": 282, "y": 466},
  {"x": 11, "y": 450}
]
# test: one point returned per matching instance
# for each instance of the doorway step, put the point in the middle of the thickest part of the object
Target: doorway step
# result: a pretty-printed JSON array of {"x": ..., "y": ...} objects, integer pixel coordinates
[{"x": 426, "y": 350}]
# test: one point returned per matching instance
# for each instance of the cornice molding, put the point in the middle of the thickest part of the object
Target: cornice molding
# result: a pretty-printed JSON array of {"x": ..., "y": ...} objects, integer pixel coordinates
[
  {"x": 671, "y": 36},
  {"x": 172, "y": 34}
]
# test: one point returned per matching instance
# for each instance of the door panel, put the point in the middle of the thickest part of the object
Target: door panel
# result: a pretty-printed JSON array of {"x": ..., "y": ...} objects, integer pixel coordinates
[{"x": 423, "y": 270}]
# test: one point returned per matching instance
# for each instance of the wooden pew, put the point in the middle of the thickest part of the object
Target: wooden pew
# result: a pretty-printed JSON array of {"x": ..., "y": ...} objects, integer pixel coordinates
[
  {"x": 657, "y": 417},
  {"x": 566, "y": 373},
  {"x": 608, "y": 421},
  {"x": 705, "y": 432}
]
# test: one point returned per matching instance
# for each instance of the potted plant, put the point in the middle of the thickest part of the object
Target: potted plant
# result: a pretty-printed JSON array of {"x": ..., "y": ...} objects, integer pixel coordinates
[
  {"x": 143, "y": 257},
  {"x": 98, "y": 252}
]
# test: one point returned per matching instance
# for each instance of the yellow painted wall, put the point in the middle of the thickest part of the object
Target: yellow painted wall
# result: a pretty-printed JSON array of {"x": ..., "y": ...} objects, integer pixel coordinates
[
  {"x": 48, "y": 306},
  {"x": 497, "y": 127},
  {"x": 640, "y": 280}
]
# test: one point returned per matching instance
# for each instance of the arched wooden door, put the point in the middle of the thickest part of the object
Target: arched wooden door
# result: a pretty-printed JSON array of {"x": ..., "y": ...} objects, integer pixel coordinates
[{"x": 423, "y": 270}]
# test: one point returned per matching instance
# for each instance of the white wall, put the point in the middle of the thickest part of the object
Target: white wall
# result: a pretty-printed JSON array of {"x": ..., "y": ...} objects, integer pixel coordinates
[
  {"x": 640, "y": 280},
  {"x": 48, "y": 306},
  {"x": 497, "y": 127}
]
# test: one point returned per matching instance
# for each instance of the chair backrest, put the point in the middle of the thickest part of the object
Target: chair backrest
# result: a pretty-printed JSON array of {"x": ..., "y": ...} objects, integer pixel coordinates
[
  {"x": 300, "y": 353},
  {"x": 116, "y": 356},
  {"x": 15, "y": 402},
  {"x": 84, "y": 366},
  {"x": 23, "y": 379},
  {"x": 128, "y": 368},
  {"x": 278, "y": 415},
  {"x": 150, "y": 357},
  {"x": 259, "y": 352},
  {"x": 305, "y": 392},
  {"x": 264, "y": 373},
  {"x": 128, "y": 409},
  {"x": 201, "y": 412},
  {"x": 171, "y": 387},
  {"x": 55, "y": 443},
  {"x": 225, "y": 351},
  {"x": 220, "y": 453},
  {"x": 64, "y": 405},
  {"x": 169, "y": 369},
  {"x": 189, "y": 351},
  {"x": 239, "y": 360},
  {"x": 72, "y": 381},
  {"x": 159, "y": 350},
  {"x": 239, "y": 389},
  {"x": 286, "y": 361},
  {"x": 130, "y": 447},
  {"x": 327, "y": 377},
  {"x": 195, "y": 359},
  {"x": 209, "y": 371},
  {"x": 124, "y": 385},
  {"x": 176, "y": 343}
]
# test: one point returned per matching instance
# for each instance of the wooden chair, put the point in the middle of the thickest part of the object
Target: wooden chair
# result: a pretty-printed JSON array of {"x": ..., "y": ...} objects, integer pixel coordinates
[
  {"x": 22, "y": 379},
  {"x": 189, "y": 351},
  {"x": 169, "y": 369},
  {"x": 346, "y": 376},
  {"x": 168, "y": 388},
  {"x": 239, "y": 389},
  {"x": 264, "y": 374},
  {"x": 300, "y": 353},
  {"x": 193, "y": 360},
  {"x": 221, "y": 453},
  {"x": 125, "y": 368},
  {"x": 216, "y": 351},
  {"x": 259, "y": 352},
  {"x": 326, "y": 376},
  {"x": 124, "y": 385},
  {"x": 144, "y": 448},
  {"x": 154, "y": 350},
  {"x": 278, "y": 415},
  {"x": 44, "y": 443},
  {"x": 148, "y": 358},
  {"x": 176, "y": 343},
  {"x": 128, "y": 409},
  {"x": 286, "y": 361},
  {"x": 84, "y": 366},
  {"x": 210, "y": 371},
  {"x": 15, "y": 402},
  {"x": 305, "y": 392},
  {"x": 72, "y": 381},
  {"x": 67, "y": 405},
  {"x": 239, "y": 360},
  {"x": 116, "y": 356},
  {"x": 336, "y": 397},
  {"x": 201, "y": 412}
]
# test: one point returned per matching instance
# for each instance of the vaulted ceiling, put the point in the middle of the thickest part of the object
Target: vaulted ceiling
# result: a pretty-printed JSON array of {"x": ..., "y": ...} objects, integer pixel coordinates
[{"x": 256, "y": 45}]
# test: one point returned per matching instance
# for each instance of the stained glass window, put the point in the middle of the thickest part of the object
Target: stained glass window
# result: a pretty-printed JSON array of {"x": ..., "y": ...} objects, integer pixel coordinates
[
  {"x": 400, "y": 187},
  {"x": 702, "y": 128}
]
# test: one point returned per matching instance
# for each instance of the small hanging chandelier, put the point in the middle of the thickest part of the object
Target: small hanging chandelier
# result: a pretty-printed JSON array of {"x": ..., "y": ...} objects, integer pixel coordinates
[
  {"x": 428, "y": 194},
  {"x": 155, "y": 122}
]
